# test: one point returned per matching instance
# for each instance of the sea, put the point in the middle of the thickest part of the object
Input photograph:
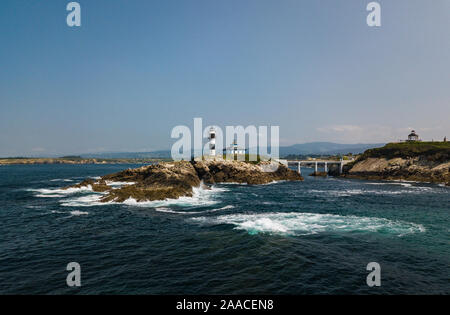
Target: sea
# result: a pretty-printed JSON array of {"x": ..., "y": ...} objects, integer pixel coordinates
[{"x": 312, "y": 237}]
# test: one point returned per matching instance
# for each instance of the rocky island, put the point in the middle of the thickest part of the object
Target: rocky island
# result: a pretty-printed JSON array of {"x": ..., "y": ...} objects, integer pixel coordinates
[
  {"x": 411, "y": 161},
  {"x": 176, "y": 179}
]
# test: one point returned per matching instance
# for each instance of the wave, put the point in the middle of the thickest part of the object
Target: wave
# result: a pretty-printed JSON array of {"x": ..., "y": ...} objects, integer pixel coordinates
[
  {"x": 359, "y": 191},
  {"x": 274, "y": 182},
  {"x": 85, "y": 201},
  {"x": 201, "y": 198},
  {"x": 294, "y": 223},
  {"x": 33, "y": 207},
  {"x": 351, "y": 192},
  {"x": 168, "y": 210},
  {"x": 55, "y": 193},
  {"x": 74, "y": 213},
  {"x": 77, "y": 213},
  {"x": 393, "y": 183},
  {"x": 223, "y": 208}
]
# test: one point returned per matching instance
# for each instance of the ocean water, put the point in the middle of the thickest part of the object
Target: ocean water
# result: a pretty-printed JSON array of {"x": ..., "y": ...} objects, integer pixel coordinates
[{"x": 311, "y": 237}]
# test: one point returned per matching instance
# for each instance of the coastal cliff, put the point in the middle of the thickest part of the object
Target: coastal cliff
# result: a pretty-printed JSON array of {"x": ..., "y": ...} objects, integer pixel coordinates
[
  {"x": 412, "y": 161},
  {"x": 176, "y": 179}
]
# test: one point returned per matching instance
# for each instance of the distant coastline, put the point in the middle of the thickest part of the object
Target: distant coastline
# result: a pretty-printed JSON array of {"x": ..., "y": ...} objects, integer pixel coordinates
[{"x": 74, "y": 160}]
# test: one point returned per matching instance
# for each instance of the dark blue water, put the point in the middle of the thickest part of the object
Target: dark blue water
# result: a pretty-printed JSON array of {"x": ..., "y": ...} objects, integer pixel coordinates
[{"x": 315, "y": 236}]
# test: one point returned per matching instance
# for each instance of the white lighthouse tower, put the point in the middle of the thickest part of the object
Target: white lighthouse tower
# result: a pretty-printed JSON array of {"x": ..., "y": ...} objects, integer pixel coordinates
[{"x": 212, "y": 142}]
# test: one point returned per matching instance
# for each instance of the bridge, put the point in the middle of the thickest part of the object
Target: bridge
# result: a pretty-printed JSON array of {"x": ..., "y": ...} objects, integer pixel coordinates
[{"x": 316, "y": 164}]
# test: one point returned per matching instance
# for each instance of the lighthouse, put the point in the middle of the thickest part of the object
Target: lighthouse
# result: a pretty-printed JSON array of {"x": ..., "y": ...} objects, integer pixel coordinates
[{"x": 212, "y": 142}]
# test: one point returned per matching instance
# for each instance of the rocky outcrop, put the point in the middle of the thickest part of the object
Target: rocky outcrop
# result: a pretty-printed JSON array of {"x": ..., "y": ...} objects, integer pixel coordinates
[
  {"x": 319, "y": 174},
  {"x": 97, "y": 186},
  {"x": 241, "y": 172},
  {"x": 176, "y": 179},
  {"x": 412, "y": 169},
  {"x": 413, "y": 161}
]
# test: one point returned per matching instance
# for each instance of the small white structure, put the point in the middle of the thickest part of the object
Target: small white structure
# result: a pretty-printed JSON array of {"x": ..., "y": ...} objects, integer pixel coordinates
[
  {"x": 234, "y": 149},
  {"x": 413, "y": 136},
  {"x": 212, "y": 142}
]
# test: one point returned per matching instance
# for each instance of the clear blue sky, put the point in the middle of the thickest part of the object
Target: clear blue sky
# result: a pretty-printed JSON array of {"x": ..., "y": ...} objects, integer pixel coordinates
[{"x": 137, "y": 68}]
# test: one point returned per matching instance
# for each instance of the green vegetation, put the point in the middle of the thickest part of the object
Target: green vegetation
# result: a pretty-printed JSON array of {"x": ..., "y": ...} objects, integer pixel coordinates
[
  {"x": 72, "y": 157},
  {"x": 432, "y": 151},
  {"x": 250, "y": 158}
]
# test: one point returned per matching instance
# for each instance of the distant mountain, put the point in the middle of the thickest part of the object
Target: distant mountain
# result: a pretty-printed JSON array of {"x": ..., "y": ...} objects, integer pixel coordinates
[
  {"x": 311, "y": 148},
  {"x": 326, "y": 148}
]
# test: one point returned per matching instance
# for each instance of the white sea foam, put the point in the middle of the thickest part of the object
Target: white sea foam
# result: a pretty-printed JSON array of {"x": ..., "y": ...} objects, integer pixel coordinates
[
  {"x": 407, "y": 184},
  {"x": 168, "y": 210},
  {"x": 295, "y": 223},
  {"x": 84, "y": 201},
  {"x": 351, "y": 192},
  {"x": 77, "y": 213},
  {"x": 61, "y": 180},
  {"x": 270, "y": 183},
  {"x": 223, "y": 208},
  {"x": 201, "y": 197},
  {"x": 269, "y": 203},
  {"x": 49, "y": 196},
  {"x": 54, "y": 193},
  {"x": 275, "y": 182}
]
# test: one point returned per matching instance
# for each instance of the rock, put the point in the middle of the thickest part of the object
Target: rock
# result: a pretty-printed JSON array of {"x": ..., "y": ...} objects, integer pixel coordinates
[
  {"x": 154, "y": 182},
  {"x": 319, "y": 174},
  {"x": 176, "y": 179},
  {"x": 99, "y": 186},
  {"x": 241, "y": 172},
  {"x": 414, "y": 161}
]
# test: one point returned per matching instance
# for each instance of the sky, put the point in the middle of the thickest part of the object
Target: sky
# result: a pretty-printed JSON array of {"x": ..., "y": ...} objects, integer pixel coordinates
[{"x": 135, "y": 69}]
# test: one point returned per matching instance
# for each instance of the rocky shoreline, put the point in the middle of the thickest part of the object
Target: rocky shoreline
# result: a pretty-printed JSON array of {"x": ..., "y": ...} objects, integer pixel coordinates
[
  {"x": 400, "y": 169},
  {"x": 172, "y": 180},
  {"x": 426, "y": 163}
]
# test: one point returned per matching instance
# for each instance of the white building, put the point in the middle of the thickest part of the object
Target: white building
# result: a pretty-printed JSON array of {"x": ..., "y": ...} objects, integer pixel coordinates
[
  {"x": 234, "y": 149},
  {"x": 413, "y": 136}
]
